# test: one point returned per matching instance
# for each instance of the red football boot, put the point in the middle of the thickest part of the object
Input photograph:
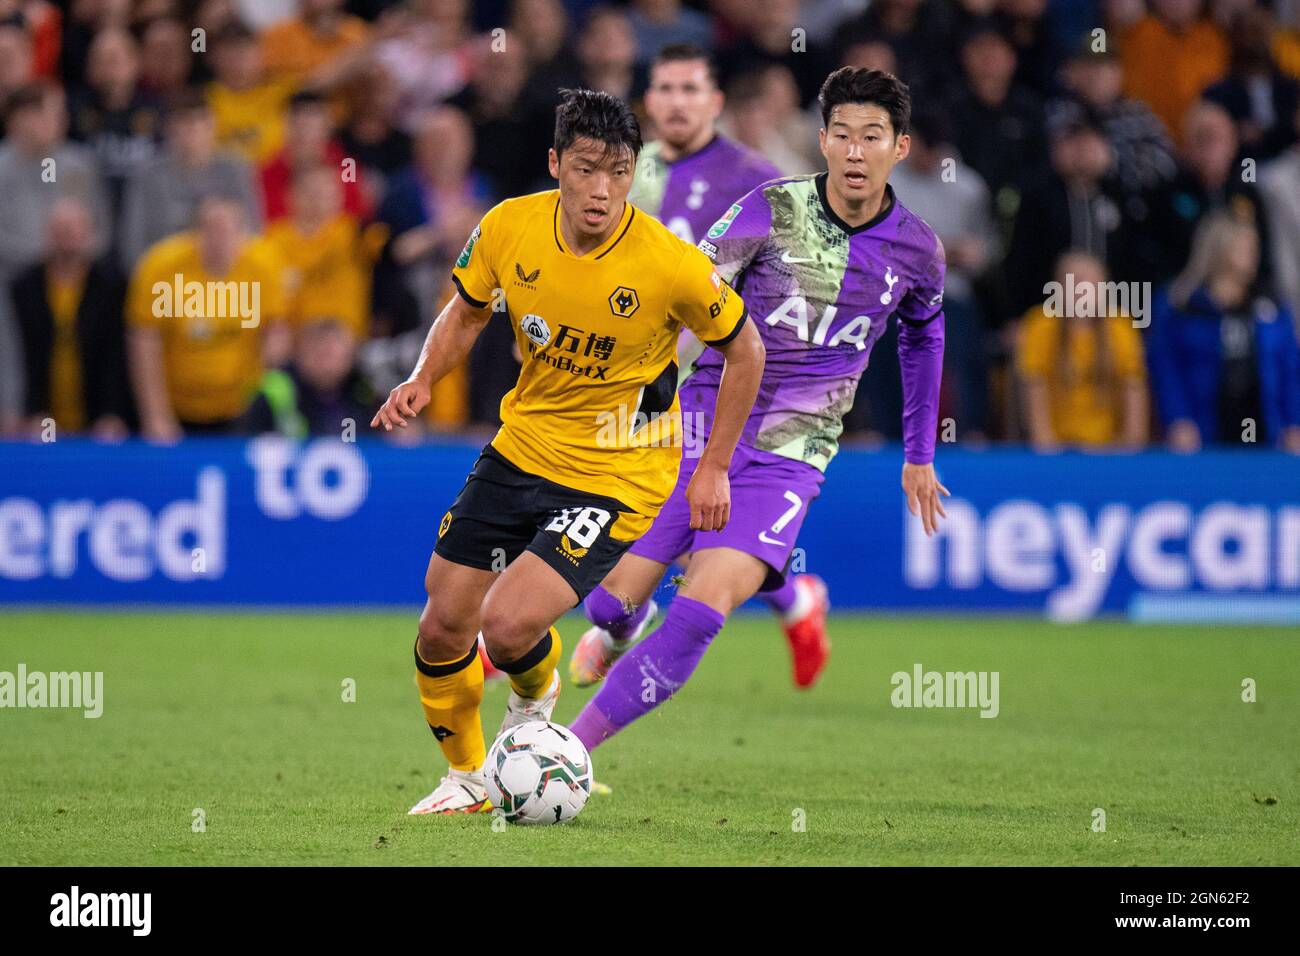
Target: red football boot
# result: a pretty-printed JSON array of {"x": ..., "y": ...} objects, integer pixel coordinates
[{"x": 809, "y": 646}]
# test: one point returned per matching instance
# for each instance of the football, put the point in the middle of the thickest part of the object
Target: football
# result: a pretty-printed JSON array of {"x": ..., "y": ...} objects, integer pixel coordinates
[{"x": 538, "y": 773}]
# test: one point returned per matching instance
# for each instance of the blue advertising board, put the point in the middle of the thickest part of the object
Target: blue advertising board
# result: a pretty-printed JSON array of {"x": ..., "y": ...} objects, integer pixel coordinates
[{"x": 271, "y": 522}]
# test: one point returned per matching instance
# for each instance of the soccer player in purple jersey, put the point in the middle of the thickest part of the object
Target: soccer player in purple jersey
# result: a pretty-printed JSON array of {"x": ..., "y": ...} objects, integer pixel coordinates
[
  {"x": 690, "y": 175},
  {"x": 687, "y": 178},
  {"x": 822, "y": 261}
]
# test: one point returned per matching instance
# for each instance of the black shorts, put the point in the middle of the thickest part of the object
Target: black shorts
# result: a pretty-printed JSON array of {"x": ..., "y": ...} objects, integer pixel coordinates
[{"x": 503, "y": 511}]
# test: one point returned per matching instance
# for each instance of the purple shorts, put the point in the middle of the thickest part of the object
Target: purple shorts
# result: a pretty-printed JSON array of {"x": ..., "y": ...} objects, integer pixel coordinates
[{"x": 770, "y": 496}]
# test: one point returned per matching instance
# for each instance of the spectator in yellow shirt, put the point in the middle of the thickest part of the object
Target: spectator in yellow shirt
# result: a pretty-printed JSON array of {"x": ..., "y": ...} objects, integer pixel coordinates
[
  {"x": 249, "y": 108},
  {"x": 326, "y": 253},
  {"x": 205, "y": 315},
  {"x": 1083, "y": 375}
]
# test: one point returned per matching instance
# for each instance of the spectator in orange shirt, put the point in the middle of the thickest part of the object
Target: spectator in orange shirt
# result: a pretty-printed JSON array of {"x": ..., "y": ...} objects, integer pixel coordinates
[
  {"x": 295, "y": 47},
  {"x": 1170, "y": 56}
]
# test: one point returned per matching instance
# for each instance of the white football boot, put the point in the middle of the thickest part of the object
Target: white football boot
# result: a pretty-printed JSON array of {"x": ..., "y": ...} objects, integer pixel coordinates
[
  {"x": 461, "y": 791},
  {"x": 520, "y": 710},
  {"x": 598, "y": 649}
]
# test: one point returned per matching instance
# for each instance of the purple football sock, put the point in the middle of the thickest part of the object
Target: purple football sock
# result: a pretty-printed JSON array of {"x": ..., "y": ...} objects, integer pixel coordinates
[
  {"x": 783, "y": 598},
  {"x": 651, "y": 672},
  {"x": 607, "y": 611}
]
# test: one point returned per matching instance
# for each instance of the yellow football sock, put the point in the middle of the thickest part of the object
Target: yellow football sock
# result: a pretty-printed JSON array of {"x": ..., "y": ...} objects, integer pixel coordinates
[
  {"x": 531, "y": 675},
  {"x": 451, "y": 693}
]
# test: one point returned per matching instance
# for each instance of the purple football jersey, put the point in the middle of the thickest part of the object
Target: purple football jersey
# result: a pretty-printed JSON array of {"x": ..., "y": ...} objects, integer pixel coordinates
[
  {"x": 689, "y": 194},
  {"x": 820, "y": 292}
]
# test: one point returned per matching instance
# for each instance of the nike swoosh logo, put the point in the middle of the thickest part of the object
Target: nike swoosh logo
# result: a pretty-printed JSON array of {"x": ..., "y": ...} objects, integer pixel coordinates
[
  {"x": 762, "y": 536},
  {"x": 794, "y": 260}
]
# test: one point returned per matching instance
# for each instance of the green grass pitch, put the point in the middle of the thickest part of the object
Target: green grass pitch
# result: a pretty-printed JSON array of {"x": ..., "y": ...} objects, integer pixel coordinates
[{"x": 241, "y": 715}]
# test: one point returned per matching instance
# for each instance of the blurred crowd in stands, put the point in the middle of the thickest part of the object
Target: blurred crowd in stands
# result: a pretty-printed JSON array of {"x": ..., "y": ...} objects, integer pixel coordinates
[{"x": 334, "y": 155}]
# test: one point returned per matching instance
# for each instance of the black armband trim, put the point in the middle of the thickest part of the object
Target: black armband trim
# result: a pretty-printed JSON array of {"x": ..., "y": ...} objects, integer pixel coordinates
[
  {"x": 740, "y": 324},
  {"x": 465, "y": 295}
]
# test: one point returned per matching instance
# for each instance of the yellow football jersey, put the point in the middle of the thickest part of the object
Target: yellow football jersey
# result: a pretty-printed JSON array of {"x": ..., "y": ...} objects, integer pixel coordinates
[
  {"x": 595, "y": 407},
  {"x": 211, "y": 326}
]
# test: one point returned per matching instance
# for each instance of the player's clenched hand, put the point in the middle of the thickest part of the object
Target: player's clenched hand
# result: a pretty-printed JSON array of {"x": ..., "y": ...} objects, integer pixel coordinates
[
  {"x": 405, "y": 401},
  {"x": 923, "y": 490},
  {"x": 709, "y": 495}
]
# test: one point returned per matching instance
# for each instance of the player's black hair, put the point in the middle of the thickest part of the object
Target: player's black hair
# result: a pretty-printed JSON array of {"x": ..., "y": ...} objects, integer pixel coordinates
[
  {"x": 588, "y": 114},
  {"x": 687, "y": 53},
  {"x": 850, "y": 84}
]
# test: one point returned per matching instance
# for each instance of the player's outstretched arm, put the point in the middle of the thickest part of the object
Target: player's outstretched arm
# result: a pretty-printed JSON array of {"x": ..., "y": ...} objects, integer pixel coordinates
[
  {"x": 709, "y": 493},
  {"x": 447, "y": 345},
  {"x": 920, "y": 358}
]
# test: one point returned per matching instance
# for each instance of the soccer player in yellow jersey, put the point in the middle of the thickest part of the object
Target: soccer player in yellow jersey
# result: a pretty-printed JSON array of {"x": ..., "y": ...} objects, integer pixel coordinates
[{"x": 589, "y": 448}]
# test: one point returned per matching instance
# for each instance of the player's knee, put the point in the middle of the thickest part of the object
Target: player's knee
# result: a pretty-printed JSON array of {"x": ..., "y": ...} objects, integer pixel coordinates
[
  {"x": 443, "y": 633},
  {"x": 632, "y": 581},
  {"x": 723, "y": 579},
  {"x": 721, "y": 595},
  {"x": 508, "y": 632}
]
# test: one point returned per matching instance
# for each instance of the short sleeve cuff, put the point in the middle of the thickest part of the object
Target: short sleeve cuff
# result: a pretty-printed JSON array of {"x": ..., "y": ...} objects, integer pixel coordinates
[
  {"x": 740, "y": 324},
  {"x": 477, "y": 303}
]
